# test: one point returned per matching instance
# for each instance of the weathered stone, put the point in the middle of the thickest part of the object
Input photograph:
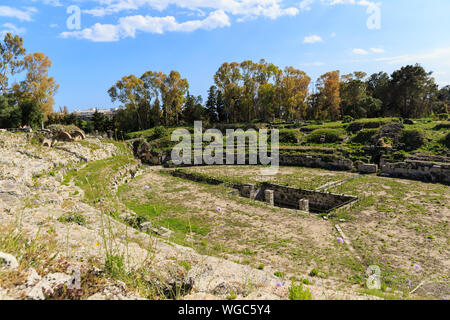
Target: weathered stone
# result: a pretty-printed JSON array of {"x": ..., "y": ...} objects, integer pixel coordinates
[
  {"x": 8, "y": 261},
  {"x": 303, "y": 205},
  {"x": 269, "y": 197},
  {"x": 47, "y": 285},
  {"x": 32, "y": 277},
  {"x": 366, "y": 168}
]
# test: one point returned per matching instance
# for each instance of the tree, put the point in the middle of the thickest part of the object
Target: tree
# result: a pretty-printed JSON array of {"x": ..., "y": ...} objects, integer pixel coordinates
[
  {"x": 129, "y": 91},
  {"x": 413, "y": 91},
  {"x": 31, "y": 114},
  {"x": 328, "y": 86},
  {"x": 193, "y": 109},
  {"x": 294, "y": 92},
  {"x": 38, "y": 86},
  {"x": 11, "y": 51},
  {"x": 10, "y": 114},
  {"x": 211, "y": 104},
  {"x": 378, "y": 87},
  {"x": 98, "y": 121},
  {"x": 173, "y": 94}
]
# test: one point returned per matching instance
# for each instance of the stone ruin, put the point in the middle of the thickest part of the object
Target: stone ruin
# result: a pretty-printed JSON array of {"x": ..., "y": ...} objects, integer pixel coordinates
[
  {"x": 56, "y": 133},
  {"x": 280, "y": 196}
]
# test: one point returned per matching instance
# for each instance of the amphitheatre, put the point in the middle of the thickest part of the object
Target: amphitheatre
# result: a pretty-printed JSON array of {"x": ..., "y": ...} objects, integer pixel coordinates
[{"x": 136, "y": 226}]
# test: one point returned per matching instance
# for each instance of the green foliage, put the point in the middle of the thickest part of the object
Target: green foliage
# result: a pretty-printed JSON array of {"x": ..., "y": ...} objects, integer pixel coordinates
[
  {"x": 289, "y": 136},
  {"x": 412, "y": 139},
  {"x": 278, "y": 274},
  {"x": 347, "y": 119},
  {"x": 73, "y": 217},
  {"x": 447, "y": 140},
  {"x": 330, "y": 135},
  {"x": 115, "y": 265},
  {"x": 364, "y": 136},
  {"x": 314, "y": 272},
  {"x": 368, "y": 124},
  {"x": 296, "y": 292},
  {"x": 159, "y": 132}
]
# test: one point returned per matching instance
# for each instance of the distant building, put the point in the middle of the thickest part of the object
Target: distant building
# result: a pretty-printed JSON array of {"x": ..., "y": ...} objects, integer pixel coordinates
[{"x": 87, "y": 114}]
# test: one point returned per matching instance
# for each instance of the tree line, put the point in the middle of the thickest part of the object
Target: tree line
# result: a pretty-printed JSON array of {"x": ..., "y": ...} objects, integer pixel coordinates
[
  {"x": 30, "y": 101},
  {"x": 242, "y": 92},
  {"x": 249, "y": 91}
]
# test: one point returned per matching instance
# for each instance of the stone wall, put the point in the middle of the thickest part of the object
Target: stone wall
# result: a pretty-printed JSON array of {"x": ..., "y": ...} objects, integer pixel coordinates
[
  {"x": 418, "y": 170},
  {"x": 289, "y": 197},
  {"x": 281, "y": 196},
  {"x": 328, "y": 162}
]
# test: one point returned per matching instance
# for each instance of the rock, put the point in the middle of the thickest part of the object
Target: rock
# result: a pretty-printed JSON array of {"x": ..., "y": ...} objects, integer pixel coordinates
[
  {"x": 341, "y": 220},
  {"x": 146, "y": 226},
  {"x": 325, "y": 218},
  {"x": 32, "y": 277},
  {"x": 47, "y": 285},
  {"x": 8, "y": 261}
]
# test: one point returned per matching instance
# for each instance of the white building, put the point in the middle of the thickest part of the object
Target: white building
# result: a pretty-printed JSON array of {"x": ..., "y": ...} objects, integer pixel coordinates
[{"x": 87, "y": 114}]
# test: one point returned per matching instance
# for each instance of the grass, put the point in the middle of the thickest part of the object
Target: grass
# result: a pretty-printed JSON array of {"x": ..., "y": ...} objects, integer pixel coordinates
[
  {"x": 73, "y": 217},
  {"x": 296, "y": 292}
]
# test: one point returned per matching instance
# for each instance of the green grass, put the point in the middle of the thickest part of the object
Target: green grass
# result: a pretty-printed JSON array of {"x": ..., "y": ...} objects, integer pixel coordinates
[
  {"x": 73, "y": 217},
  {"x": 296, "y": 292}
]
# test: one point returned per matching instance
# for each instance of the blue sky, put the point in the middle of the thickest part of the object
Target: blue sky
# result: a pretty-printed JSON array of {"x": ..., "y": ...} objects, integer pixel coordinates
[{"x": 122, "y": 37}]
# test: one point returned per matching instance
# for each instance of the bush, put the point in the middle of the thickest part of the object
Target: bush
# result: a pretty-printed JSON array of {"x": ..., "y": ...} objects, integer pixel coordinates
[
  {"x": 159, "y": 132},
  {"x": 447, "y": 140},
  {"x": 289, "y": 136},
  {"x": 365, "y": 136},
  {"x": 347, "y": 119},
  {"x": 330, "y": 135},
  {"x": 443, "y": 116},
  {"x": 412, "y": 139},
  {"x": 359, "y": 125},
  {"x": 73, "y": 217},
  {"x": 298, "y": 293}
]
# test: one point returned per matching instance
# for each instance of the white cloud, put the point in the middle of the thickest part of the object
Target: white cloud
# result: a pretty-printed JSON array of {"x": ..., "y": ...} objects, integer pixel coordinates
[
  {"x": 305, "y": 5},
  {"x": 312, "y": 39},
  {"x": 23, "y": 15},
  {"x": 128, "y": 26},
  {"x": 377, "y": 50},
  {"x": 441, "y": 55},
  {"x": 245, "y": 8},
  {"x": 54, "y": 3},
  {"x": 11, "y": 28},
  {"x": 360, "y": 51}
]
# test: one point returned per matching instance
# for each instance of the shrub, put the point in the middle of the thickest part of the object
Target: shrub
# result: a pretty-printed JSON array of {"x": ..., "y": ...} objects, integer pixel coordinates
[
  {"x": 314, "y": 272},
  {"x": 298, "y": 293},
  {"x": 159, "y": 132},
  {"x": 289, "y": 136},
  {"x": 73, "y": 217},
  {"x": 365, "y": 136},
  {"x": 412, "y": 139},
  {"x": 331, "y": 135},
  {"x": 359, "y": 125},
  {"x": 347, "y": 119},
  {"x": 443, "y": 116},
  {"x": 447, "y": 140}
]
